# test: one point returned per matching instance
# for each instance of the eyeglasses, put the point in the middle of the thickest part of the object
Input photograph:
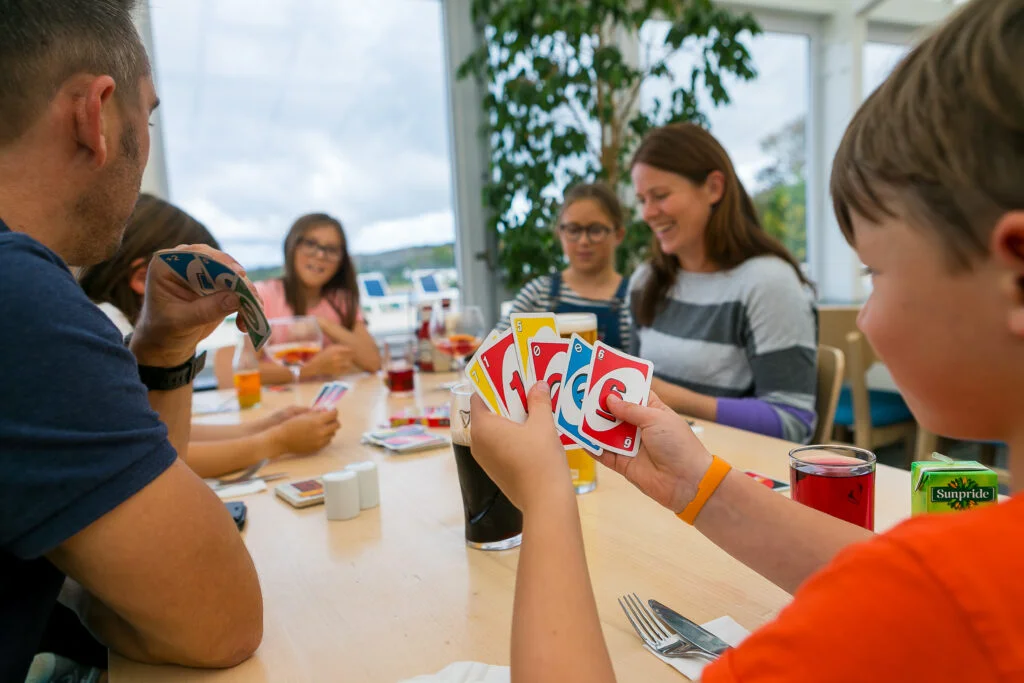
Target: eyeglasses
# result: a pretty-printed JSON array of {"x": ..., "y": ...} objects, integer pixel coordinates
[
  {"x": 312, "y": 248},
  {"x": 595, "y": 231}
]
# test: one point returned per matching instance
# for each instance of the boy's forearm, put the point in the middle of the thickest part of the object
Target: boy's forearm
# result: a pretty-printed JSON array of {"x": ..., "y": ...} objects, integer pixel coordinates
[
  {"x": 214, "y": 458},
  {"x": 555, "y": 615},
  {"x": 778, "y": 538}
]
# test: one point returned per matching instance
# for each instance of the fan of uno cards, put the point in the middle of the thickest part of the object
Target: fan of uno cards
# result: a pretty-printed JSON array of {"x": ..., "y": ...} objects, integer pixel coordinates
[{"x": 582, "y": 379}]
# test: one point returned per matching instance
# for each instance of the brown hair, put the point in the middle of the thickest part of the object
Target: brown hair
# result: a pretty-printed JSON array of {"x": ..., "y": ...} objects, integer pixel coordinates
[
  {"x": 733, "y": 234},
  {"x": 341, "y": 292},
  {"x": 941, "y": 143},
  {"x": 601, "y": 193},
  {"x": 45, "y": 43},
  {"x": 154, "y": 225}
]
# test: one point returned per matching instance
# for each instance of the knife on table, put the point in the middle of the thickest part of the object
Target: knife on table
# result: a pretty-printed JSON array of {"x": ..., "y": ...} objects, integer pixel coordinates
[{"x": 689, "y": 631}]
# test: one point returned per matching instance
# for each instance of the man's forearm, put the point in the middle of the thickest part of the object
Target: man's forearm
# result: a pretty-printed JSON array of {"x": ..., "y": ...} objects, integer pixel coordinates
[{"x": 175, "y": 410}]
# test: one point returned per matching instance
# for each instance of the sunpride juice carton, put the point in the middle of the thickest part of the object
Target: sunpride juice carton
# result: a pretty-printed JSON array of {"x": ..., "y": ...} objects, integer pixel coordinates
[{"x": 951, "y": 485}]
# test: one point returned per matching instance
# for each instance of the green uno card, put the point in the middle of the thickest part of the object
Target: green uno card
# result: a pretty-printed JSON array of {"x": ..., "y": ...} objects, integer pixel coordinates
[{"x": 252, "y": 313}]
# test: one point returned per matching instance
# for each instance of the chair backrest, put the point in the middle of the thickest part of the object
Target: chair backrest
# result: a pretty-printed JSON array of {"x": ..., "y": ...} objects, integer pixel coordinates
[
  {"x": 373, "y": 285},
  {"x": 831, "y": 368},
  {"x": 834, "y": 323},
  {"x": 859, "y": 359}
]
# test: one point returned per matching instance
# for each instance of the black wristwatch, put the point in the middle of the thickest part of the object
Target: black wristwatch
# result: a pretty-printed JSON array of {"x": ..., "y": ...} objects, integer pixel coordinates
[{"x": 169, "y": 379}]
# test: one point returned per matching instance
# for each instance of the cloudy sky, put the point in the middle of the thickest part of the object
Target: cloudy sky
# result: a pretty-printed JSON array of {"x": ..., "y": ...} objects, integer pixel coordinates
[{"x": 274, "y": 108}]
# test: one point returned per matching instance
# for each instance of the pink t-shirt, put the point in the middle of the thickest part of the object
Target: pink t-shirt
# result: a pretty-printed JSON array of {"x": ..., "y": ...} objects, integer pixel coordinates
[{"x": 275, "y": 306}]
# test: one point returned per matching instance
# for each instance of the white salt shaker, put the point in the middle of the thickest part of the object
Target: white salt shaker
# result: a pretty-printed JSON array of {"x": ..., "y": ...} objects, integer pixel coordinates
[
  {"x": 341, "y": 495},
  {"x": 369, "y": 485}
]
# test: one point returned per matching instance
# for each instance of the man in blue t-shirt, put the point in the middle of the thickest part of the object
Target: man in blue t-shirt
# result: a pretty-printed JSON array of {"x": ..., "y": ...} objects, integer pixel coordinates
[{"x": 95, "y": 506}]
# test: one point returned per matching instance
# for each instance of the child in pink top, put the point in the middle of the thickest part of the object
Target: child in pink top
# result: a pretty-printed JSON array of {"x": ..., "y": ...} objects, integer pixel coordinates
[{"x": 320, "y": 280}]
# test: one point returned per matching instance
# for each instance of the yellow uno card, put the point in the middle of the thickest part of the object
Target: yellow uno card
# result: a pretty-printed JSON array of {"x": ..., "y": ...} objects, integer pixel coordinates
[
  {"x": 527, "y": 326},
  {"x": 475, "y": 375}
]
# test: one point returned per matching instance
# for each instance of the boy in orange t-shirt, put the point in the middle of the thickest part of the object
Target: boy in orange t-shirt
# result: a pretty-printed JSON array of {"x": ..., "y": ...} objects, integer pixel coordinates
[{"x": 928, "y": 186}]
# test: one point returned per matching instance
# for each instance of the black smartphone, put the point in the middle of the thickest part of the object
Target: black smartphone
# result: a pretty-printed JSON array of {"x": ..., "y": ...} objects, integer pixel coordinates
[{"x": 237, "y": 510}]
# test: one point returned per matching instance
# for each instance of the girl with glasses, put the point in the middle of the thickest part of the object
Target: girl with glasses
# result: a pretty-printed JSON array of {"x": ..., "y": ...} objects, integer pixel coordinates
[
  {"x": 117, "y": 286},
  {"x": 320, "y": 280},
  {"x": 590, "y": 228}
]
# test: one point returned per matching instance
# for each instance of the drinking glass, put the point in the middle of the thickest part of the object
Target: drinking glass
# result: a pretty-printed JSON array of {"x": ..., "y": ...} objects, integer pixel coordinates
[
  {"x": 294, "y": 341},
  {"x": 838, "y": 480}
]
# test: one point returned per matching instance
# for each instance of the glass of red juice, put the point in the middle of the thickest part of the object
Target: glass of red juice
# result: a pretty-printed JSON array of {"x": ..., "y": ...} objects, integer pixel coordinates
[
  {"x": 400, "y": 372},
  {"x": 838, "y": 480}
]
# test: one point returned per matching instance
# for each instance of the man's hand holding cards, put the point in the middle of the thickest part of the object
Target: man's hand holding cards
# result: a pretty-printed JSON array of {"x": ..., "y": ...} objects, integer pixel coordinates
[
  {"x": 190, "y": 289},
  {"x": 581, "y": 380}
]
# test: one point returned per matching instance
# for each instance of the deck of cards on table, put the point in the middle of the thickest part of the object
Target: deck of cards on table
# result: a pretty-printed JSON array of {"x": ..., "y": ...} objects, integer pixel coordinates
[
  {"x": 205, "y": 276},
  {"x": 581, "y": 378}
]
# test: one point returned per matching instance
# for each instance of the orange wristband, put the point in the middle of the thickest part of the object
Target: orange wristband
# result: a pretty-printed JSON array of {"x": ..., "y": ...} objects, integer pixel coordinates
[{"x": 708, "y": 484}]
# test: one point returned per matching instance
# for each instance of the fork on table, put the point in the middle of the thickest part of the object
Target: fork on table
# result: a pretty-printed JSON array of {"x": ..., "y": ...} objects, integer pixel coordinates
[{"x": 655, "y": 634}]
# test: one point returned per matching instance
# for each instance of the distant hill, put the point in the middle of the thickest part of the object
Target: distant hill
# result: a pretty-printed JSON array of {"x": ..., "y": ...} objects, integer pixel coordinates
[{"x": 395, "y": 264}]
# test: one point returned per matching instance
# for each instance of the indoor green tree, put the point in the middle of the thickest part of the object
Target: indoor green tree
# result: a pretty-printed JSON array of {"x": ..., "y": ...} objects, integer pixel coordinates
[{"x": 562, "y": 103}]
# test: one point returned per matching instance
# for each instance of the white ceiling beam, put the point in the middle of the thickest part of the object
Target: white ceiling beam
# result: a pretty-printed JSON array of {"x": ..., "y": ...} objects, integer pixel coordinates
[{"x": 907, "y": 14}]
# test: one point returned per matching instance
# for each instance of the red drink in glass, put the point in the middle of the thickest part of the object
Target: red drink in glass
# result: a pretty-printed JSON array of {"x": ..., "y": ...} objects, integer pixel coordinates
[
  {"x": 837, "y": 480},
  {"x": 401, "y": 378}
]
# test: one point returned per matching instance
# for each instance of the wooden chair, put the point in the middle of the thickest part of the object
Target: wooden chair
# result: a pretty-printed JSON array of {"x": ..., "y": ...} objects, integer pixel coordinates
[{"x": 831, "y": 370}]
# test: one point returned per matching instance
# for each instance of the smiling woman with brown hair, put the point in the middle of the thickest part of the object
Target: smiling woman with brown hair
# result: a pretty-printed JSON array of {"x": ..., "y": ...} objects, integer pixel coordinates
[{"x": 722, "y": 308}]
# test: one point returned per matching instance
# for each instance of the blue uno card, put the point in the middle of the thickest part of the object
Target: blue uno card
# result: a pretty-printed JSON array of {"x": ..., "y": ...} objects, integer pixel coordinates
[
  {"x": 223, "y": 277},
  {"x": 574, "y": 388},
  {"x": 203, "y": 274}
]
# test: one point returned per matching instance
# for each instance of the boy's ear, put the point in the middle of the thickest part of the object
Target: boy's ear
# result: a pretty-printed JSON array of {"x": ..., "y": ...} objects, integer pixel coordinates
[{"x": 1008, "y": 247}]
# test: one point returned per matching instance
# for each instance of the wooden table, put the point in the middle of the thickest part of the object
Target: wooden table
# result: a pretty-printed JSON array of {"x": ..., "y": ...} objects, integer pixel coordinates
[{"x": 396, "y": 593}]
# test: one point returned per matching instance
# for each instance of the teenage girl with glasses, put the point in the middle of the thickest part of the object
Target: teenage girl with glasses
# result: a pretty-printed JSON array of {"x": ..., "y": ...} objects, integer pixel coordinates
[
  {"x": 590, "y": 228},
  {"x": 320, "y": 280}
]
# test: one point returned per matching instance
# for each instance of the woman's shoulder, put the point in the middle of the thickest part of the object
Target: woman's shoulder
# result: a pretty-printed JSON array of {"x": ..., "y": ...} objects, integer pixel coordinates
[{"x": 769, "y": 273}]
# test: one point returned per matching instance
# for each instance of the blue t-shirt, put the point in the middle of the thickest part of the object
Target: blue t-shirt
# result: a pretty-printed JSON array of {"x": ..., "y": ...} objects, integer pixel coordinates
[{"x": 77, "y": 435}]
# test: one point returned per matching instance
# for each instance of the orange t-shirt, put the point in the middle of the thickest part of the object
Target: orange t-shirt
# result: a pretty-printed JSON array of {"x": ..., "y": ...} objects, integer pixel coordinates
[
  {"x": 939, "y": 598},
  {"x": 275, "y": 305}
]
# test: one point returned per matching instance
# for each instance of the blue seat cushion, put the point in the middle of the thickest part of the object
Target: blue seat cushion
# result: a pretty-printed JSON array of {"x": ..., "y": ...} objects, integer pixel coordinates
[{"x": 887, "y": 408}]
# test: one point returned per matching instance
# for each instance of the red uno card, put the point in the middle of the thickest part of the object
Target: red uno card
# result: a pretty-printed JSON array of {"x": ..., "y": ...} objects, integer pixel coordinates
[
  {"x": 613, "y": 372},
  {"x": 548, "y": 360},
  {"x": 773, "y": 484},
  {"x": 500, "y": 361}
]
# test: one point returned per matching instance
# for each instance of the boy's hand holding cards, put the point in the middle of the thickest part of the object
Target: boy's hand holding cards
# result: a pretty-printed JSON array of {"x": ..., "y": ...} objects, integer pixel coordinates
[
  {"x": 581, "y": 380},
  {"x": 205, "y": 275}
]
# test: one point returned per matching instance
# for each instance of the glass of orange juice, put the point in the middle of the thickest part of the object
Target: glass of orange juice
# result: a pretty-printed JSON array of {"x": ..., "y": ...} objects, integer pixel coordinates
[
  {"x": 294, "y": 341},
  {"x": 581, "y": 465}
]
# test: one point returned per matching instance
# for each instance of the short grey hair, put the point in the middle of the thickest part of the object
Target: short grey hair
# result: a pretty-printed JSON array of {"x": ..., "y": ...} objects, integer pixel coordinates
[{"x": 45, "y": 42}]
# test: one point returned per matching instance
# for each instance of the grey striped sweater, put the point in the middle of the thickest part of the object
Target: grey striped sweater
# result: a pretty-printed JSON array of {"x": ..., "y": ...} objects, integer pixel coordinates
[{"x": 746, "y": 336}]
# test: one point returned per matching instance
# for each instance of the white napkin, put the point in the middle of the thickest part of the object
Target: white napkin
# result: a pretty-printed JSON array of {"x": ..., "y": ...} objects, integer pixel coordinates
[
  {"x": 725, "y": 628},
  {"x": 236, "y": 490},
  {"x": 466, "y": 672}
]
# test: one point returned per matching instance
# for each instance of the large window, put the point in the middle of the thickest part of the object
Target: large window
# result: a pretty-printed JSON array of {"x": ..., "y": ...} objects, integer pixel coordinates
[
  {"x": 879, "y": 61},
  {"x": 276, "y": 108},
  {"x": 763, "y": 128}
]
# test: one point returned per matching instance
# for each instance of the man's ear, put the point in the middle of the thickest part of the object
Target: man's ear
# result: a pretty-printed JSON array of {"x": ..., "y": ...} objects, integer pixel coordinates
[{"x": 94, "y": 116}]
